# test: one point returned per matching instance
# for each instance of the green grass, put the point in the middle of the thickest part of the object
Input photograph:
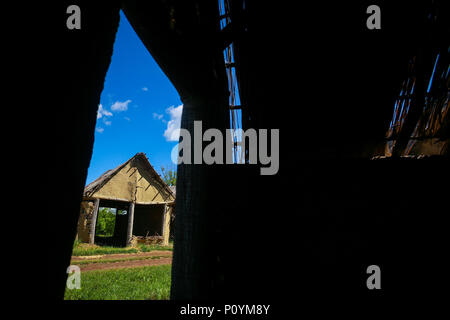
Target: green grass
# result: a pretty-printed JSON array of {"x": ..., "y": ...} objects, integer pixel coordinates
[
  {"x": 116, "y": 260},
  {"x": 91, "y": 251},
  {"x": 124, "y": 284},
  {"x": 84, "y": 249},
  {"x": 154, "y": 247}
]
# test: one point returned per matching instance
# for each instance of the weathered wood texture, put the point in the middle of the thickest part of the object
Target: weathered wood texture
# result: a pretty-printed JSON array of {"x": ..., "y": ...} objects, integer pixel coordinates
[
  {"x": 93, "y": 221},
  {"x": 130, "y": 223},
  {"x": 84, "y": 220}
]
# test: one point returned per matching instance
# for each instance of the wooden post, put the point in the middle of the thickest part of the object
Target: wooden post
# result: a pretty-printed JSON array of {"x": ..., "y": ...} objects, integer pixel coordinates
[
  {"x": 130, "y": 223},
  {"x": 93, "y": 221},
  {"x": 164, "y": 224}
]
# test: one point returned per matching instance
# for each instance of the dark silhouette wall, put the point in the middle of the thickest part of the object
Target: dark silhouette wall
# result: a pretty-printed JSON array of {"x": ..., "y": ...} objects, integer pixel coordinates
[{"x": 328, "y": 84}]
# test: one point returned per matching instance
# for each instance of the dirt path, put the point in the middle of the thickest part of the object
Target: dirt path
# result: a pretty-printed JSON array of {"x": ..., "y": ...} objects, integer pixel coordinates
[
  {"x": 122, "y": 255},
  {"x": 125, "y": 264},
  {"x": 165, "y": 258}
]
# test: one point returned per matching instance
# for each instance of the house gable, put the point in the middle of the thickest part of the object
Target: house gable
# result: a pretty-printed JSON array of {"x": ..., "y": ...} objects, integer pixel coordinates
[{"x": 135, "y": 181}]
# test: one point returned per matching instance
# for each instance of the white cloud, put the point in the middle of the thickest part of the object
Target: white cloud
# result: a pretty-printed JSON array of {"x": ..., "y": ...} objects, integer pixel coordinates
[
  {"x": 157, "y": 116},
  {"x": 103, "y": 112},
  {"x": 107, "y": 123},
  {"x": 144, "y": 89},
  {"x": 172, "y": 133},
  {"x": 100, "y": 130},
  {"x": 120, "y": 106},
  {"x": 126, "y": 118}
]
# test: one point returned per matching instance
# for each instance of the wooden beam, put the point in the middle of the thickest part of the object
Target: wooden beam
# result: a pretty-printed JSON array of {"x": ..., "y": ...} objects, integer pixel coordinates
[
  {"x": 152, "y": 202},
  {"x": 107, "y": 198},
  {"x": 416, "y": 106},
  {"x": 163, "y": 229},
  {"x": 130, "y": 223},
  {"x": 93, "y": 221}
]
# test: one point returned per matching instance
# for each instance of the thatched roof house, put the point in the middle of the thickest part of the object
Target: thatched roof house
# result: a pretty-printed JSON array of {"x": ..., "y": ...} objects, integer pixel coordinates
[{"x": 141, "y": 199}]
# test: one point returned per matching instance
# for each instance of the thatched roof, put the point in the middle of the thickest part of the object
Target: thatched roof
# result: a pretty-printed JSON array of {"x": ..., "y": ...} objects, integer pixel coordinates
[{"x": 95, "y": 185}]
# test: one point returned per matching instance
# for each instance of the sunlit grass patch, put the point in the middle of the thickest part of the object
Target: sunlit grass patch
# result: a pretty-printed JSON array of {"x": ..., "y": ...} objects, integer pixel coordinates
[
  {"x": 143, "y": 283},
  {"x": 83, "y": 262},
  {"x": 154, "y": 247},
  {"x": 95, "y": 250}
]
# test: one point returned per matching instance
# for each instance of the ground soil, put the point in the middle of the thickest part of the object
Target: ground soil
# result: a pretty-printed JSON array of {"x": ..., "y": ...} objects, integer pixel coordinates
[
  {"x": 165, "y": 259},
  {"x": 123, "y": 255}
]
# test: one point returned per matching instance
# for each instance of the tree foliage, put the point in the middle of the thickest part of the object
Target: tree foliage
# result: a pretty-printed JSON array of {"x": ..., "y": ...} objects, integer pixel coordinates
[
  {"x": 169, "y": 176},
  {"x": 106, "y": 219}
]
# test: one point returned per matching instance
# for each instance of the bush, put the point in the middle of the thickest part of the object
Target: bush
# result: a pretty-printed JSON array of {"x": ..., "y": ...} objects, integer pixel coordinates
[{"x": 106, "y": 220}]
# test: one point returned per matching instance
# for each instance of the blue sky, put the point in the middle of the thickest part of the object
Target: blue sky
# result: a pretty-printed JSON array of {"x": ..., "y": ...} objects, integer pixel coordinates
[{"x": 139, "y": 108}]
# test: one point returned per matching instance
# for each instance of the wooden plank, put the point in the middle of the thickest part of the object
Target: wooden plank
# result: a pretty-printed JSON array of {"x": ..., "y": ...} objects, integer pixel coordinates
[
  {"x": 107, "y": 198},
  {"x": 164, "y": 223},
  {"x": 125, "y": 200},
  {"x": 130, "y": 223},
  {"x": 153, "y": 202},
  {"x": 93, "y": 221}
]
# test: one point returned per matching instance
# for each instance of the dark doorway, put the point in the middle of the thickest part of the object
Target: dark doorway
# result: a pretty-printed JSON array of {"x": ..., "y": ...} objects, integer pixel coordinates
[
  {"x": 148, "y": 220},
  {"x": 115, "y": 235}
]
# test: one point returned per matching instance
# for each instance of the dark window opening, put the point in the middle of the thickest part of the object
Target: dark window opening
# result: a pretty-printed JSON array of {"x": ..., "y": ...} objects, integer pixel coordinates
[{"x": 148, "y": 220}]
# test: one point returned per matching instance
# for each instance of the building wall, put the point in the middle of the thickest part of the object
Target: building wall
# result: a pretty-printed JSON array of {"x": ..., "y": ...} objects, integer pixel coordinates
[
  {"x": 148, "y": 188},
  {"x": 166, "y": 229},
  {"x": 86, "y": 214},
  {"x": 120, "y": 187},
  {"x": 133, "y": 180},
  {"x": 428, "y": 147},
  {"x": 84, "y": 220}
]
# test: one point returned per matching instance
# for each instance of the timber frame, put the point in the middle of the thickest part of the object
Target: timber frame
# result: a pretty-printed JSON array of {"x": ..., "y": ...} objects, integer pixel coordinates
[{"x": 120, "y": 188}]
